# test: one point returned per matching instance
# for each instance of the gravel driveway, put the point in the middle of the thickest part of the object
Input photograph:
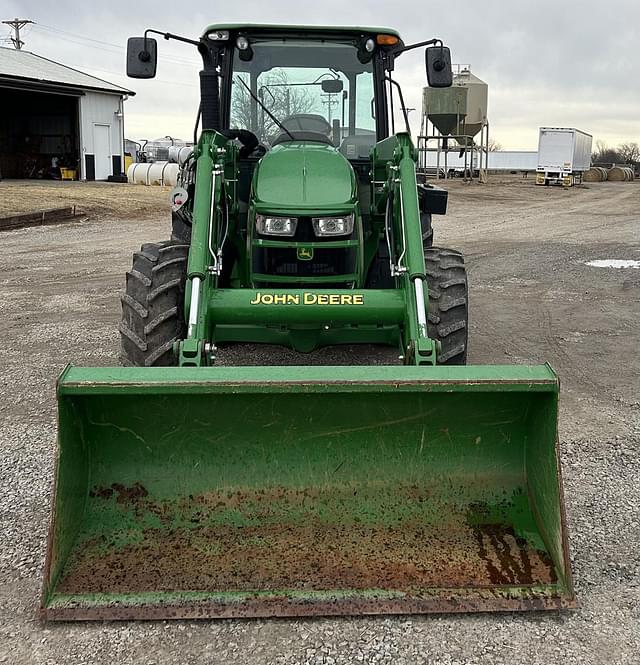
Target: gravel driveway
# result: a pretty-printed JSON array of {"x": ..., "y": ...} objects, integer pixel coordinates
[{"x": 533, "y": 298}]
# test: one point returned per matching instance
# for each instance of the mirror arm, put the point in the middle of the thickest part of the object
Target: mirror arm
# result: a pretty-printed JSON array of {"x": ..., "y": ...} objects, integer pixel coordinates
[
  {"x": 169, "y": 35},
  {"x": 410, "y": 47},
  {"x": 145, "y": 56}
]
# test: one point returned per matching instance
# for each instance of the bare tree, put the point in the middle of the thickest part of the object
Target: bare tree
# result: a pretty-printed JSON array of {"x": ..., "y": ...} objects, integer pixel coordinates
[
  {"x": 630, "y": 152},
  {"x": 601, "y": 147},
  {"x": 495, "y": 146},
  {"x": 277, "y": 94},
  {"x": 604, "y": 154}
]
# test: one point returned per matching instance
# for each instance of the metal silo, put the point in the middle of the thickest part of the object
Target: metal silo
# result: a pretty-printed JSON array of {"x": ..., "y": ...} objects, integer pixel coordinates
[
  {"x": 460, "y": 110},
  {"x": 446, "y": 108},
  {"x": 459, "y": 114}
]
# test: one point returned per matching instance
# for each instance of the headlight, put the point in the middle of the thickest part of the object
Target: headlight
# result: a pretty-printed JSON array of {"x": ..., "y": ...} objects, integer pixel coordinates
[
  {"x": 276, "y": 226},
  {"x": 333, "y": 226},
  {"x": 219, "y": 35}
]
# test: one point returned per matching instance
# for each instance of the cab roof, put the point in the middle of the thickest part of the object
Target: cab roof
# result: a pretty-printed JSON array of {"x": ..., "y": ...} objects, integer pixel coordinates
[{"x": 300, "y": 29}]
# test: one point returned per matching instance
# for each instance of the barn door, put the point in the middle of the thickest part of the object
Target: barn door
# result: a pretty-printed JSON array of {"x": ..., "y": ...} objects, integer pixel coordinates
[{"x": 102, "y": 150}]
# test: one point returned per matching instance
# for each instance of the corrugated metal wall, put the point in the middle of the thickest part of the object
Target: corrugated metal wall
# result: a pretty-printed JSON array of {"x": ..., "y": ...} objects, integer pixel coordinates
[{"x": 100, "y": 109}]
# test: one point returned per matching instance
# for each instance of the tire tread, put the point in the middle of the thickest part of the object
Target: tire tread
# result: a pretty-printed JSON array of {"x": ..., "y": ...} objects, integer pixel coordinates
[
  {"x": 447, "y": 319},
  {"x": 153, "y": 305}
]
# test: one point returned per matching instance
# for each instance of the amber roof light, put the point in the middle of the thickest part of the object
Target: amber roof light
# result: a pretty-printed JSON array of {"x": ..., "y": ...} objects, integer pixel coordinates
[{"x": 387, "y": 40}]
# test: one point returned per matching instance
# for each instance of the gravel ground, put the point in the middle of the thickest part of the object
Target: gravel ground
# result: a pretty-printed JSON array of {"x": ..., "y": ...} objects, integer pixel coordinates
[{"x": 533, "y": 300}]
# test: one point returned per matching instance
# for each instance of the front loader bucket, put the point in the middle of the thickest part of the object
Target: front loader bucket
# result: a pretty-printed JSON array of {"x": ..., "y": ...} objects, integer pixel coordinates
[{"x": 282, "y": 491}]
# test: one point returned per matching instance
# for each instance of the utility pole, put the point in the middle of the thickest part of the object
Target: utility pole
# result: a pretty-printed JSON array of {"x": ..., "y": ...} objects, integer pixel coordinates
[
  {"x": 17, "y": 24},
  {"x": 329, "y": 101}
]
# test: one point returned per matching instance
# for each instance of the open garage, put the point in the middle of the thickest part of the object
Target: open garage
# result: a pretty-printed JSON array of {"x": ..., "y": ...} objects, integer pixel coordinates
[{"x": 57, "y": 122}]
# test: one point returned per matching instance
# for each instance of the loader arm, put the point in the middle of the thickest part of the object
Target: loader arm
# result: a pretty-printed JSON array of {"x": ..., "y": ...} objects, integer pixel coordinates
[
  {"x": 215, "y": 157},
  {"x": 394, "y": 159}
]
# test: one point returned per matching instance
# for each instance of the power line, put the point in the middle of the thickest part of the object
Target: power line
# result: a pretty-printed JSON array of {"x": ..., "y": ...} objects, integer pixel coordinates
[
  {"x": 85, "y": 44},
  {"x": 73, "y": 37},
  {"x": 109, "y": 47},
  {"x": 7, "y": 38},
  {"x": 73, "y": 34},
  {"x": 114, "y": 73}
]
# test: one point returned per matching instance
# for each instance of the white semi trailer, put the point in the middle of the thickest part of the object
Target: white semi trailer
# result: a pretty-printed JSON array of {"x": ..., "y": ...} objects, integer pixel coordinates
[{"x": 564, "y": 154}]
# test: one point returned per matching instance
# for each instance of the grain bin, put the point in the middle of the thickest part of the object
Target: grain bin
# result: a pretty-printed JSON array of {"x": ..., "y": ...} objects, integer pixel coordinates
[{"x": 460, "y": 109}]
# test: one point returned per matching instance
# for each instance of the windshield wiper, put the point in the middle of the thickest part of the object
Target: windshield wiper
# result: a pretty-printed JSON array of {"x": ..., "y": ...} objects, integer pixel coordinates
[{"x": 265, "y": 109}]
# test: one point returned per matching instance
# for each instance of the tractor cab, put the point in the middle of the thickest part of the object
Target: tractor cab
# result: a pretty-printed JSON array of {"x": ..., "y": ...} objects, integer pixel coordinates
[
  {"x": 310, "y": 100},
  {"x": 306, "y": 108},
  {"x": 308, "y": 87}
]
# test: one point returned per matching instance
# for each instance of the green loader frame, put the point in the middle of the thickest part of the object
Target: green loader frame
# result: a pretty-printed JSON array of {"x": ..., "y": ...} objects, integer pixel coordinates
[{"x": 311, "y": 316}]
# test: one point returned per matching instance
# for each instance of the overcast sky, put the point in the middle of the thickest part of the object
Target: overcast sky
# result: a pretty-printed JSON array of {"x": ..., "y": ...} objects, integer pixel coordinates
[{"x": 572, "y": 64}]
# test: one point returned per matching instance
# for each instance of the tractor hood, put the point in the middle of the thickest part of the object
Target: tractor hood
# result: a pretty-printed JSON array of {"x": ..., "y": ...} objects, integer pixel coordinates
[{"x": 304, "y": 176}]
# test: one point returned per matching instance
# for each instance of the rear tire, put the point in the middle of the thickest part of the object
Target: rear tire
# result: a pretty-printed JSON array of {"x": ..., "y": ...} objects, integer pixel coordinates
[
  {"x": 448, "y": 303},
  {"x": 153, "y": 305}
]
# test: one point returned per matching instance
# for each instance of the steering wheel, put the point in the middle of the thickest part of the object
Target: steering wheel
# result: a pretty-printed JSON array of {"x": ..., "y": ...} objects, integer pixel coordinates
[
  {"x": 304, "y": 127},
  {"x": 248, "y": 140}
]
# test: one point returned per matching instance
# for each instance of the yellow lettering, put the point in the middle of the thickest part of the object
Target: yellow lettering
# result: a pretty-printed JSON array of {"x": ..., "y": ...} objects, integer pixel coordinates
[
  {"x": 307, "y": 299},
  {"x": 283, "y": 299}
]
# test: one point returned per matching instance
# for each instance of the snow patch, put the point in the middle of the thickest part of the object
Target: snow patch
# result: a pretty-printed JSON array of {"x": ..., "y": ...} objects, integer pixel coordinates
[{"x": 614, "y": 263}]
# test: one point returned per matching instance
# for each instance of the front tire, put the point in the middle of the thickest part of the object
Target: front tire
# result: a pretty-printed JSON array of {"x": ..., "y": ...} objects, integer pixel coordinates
[
  {"x": 153, "y": 305},
  {"x": 427, "y": 229},
  {"x": 448, "y": 317}
]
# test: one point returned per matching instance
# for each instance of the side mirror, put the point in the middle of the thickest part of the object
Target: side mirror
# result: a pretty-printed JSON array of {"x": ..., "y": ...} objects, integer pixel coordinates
[
  {"x": 332, "y": 85},
  {"x": 438, "y": 62},
  {"x": 142, "y": 57}
]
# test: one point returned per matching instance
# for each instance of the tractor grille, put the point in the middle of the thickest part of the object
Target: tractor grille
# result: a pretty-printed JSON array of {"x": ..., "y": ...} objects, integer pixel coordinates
[{"x": 285, "y": 262}]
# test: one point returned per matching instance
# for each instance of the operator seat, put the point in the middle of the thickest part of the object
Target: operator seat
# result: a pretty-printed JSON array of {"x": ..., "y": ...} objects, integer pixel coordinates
[{"x": 305, "y": 127}]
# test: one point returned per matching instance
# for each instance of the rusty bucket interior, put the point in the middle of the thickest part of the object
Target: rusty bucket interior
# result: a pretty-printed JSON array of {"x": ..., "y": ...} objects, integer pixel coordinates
[{"x": 306, "y": 491}]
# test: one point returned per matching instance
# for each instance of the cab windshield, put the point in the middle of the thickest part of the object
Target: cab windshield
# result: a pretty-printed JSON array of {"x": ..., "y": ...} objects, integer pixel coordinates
[{"x": 305, "y": 90}]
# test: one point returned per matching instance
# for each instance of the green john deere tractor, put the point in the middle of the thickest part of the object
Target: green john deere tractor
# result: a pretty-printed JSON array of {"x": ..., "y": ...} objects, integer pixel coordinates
[{"x": 186, "y": 489}]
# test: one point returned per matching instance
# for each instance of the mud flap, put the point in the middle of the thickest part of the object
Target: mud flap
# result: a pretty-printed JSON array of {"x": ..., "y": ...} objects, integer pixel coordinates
[{"x": 283, "y": 491}]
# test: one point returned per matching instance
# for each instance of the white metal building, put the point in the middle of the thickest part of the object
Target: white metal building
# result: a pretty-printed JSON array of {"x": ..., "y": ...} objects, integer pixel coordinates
[
  {"x": 54, "y": 116},
  {"x": 504, "y": 160}
]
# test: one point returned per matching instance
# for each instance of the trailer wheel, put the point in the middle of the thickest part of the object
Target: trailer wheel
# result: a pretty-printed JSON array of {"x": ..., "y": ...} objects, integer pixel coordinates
[
  {"x": 448, "y": 303},
  {"x": 153, "y": 305}
]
